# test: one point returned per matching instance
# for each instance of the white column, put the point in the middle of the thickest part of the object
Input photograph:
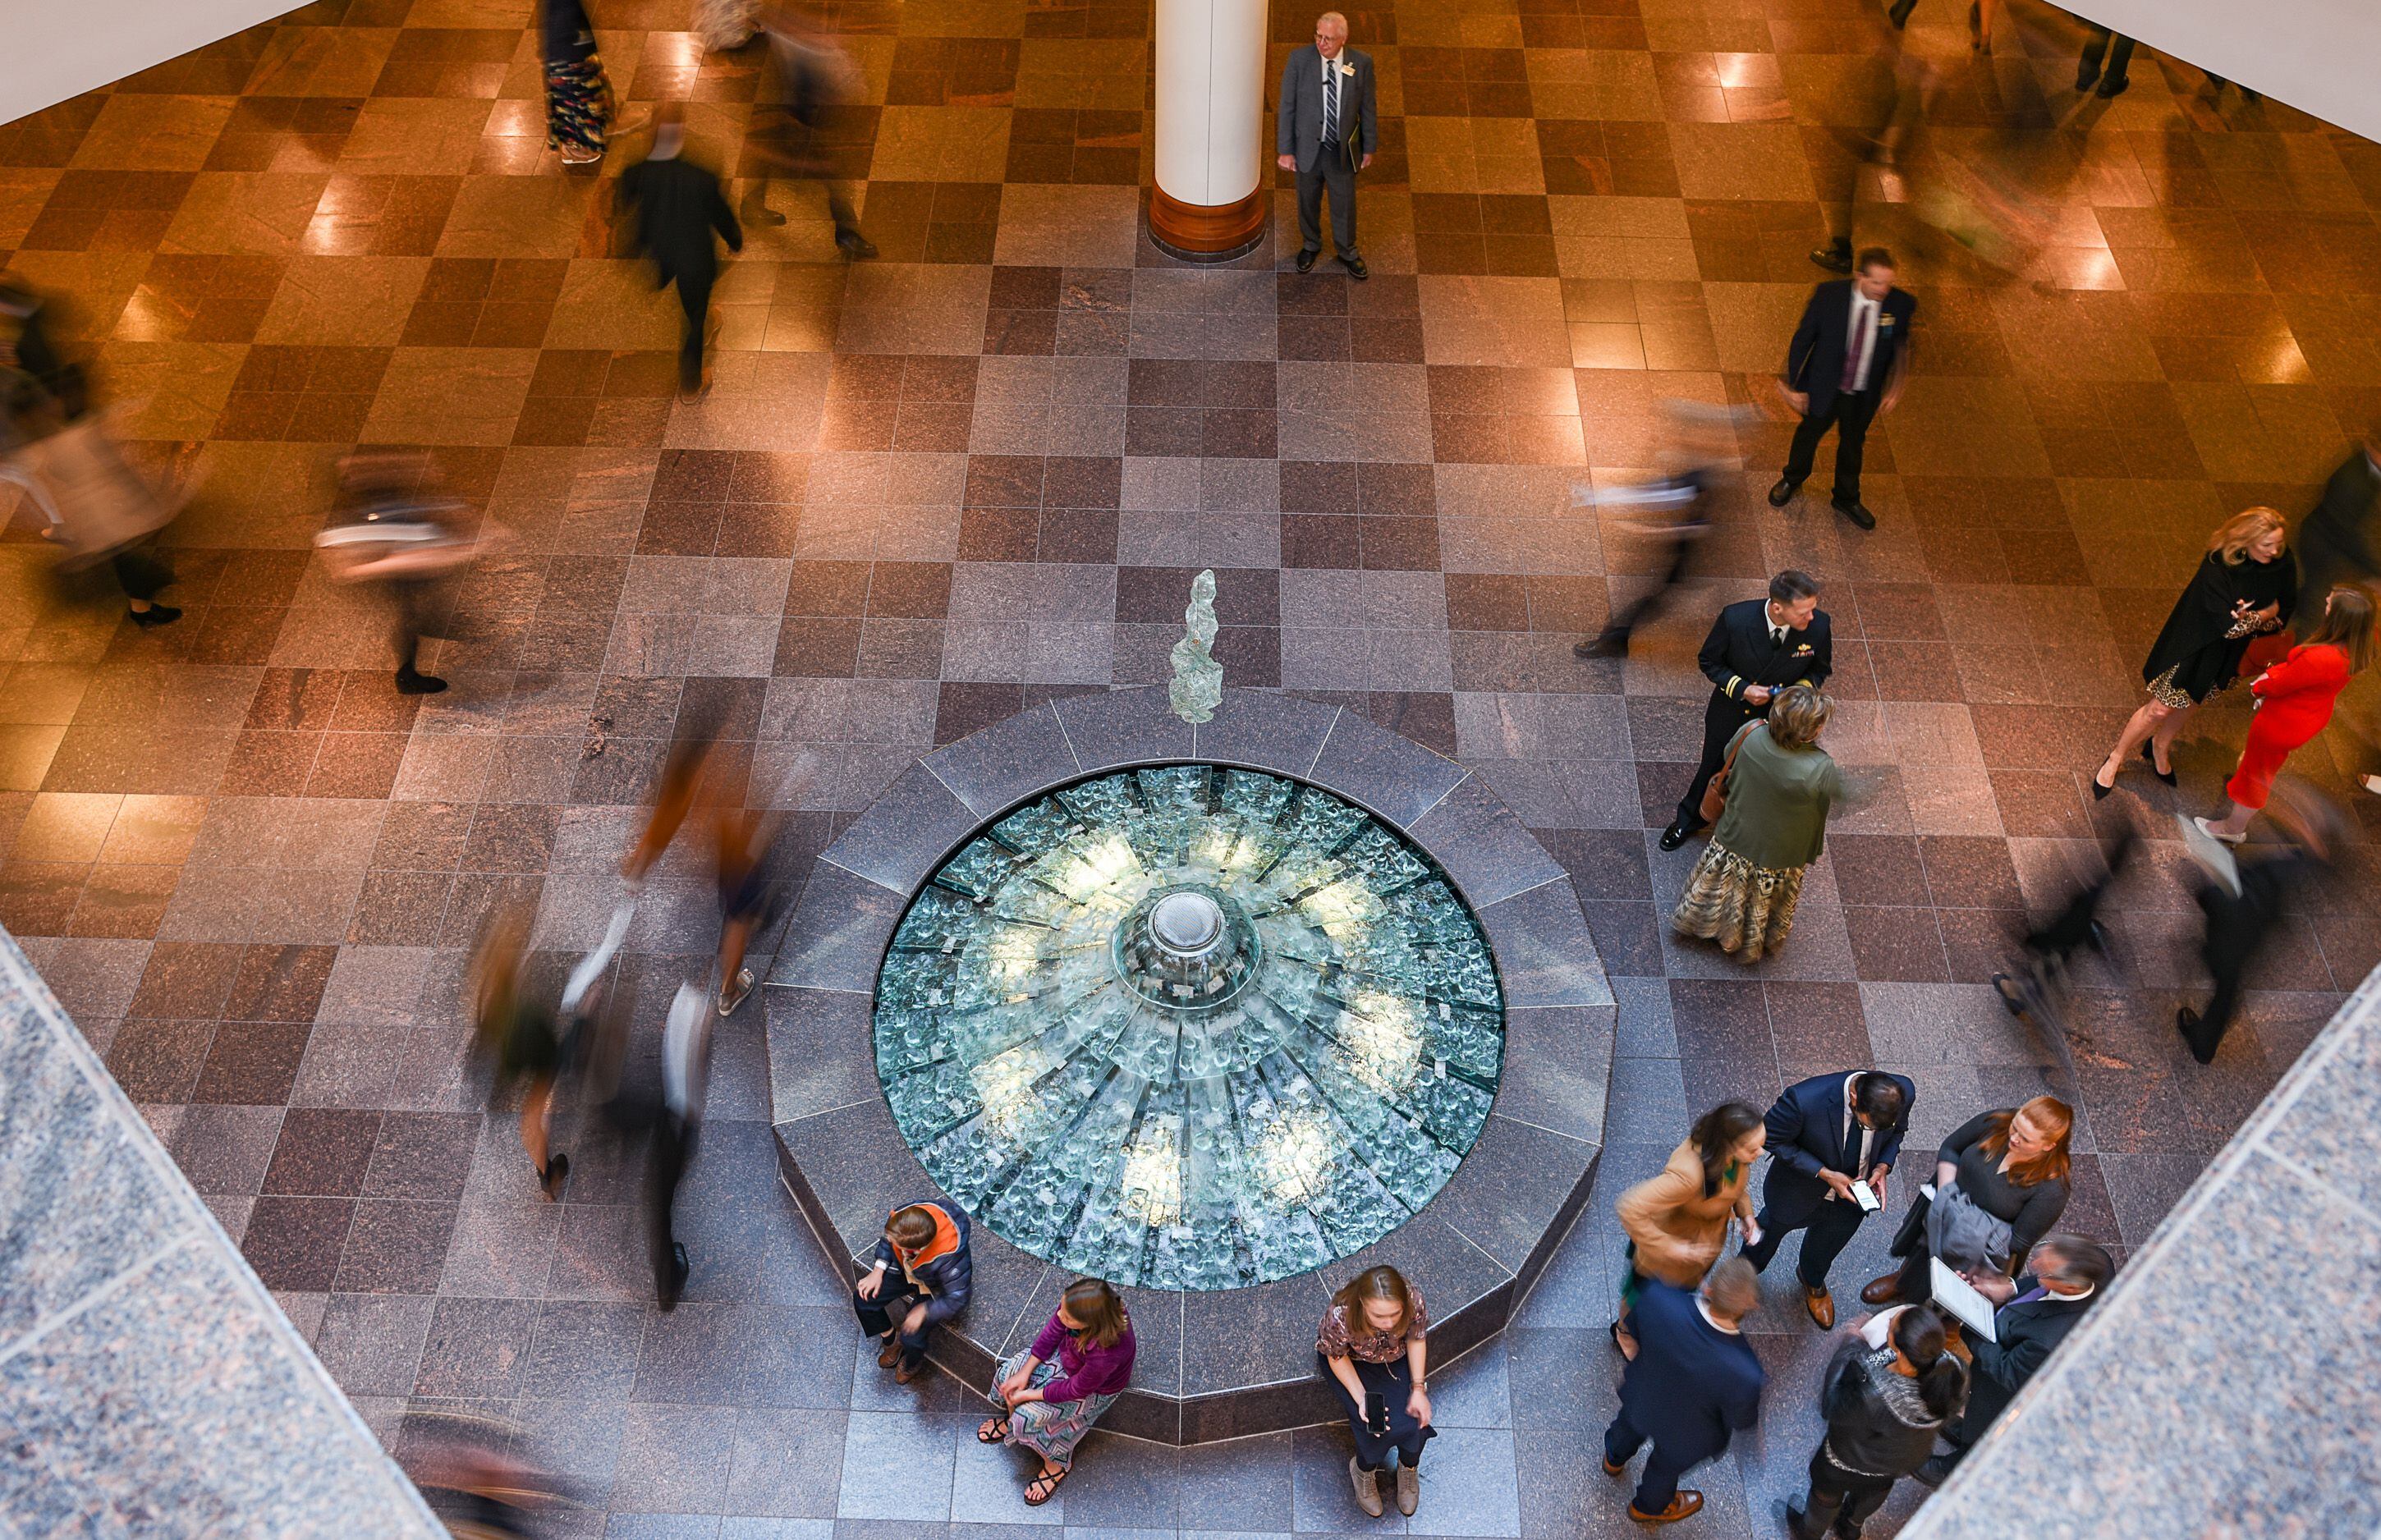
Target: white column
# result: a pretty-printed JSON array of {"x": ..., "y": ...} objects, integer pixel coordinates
[{"x": 1211, "y": 159}]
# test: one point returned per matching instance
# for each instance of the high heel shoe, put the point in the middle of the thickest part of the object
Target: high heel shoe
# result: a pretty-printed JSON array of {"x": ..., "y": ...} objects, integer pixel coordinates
[
  {"x": 2150, "y": 755},
  {"x": 2099, "y": 792}
]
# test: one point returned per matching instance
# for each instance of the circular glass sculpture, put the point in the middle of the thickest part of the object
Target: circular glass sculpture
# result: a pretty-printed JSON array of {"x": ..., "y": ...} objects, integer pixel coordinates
[{"x": 1190, "y": 1028}]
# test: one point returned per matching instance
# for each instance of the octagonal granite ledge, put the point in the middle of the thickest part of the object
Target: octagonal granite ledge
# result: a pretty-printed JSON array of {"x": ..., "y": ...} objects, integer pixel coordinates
[{"x": 1224, "y": 1363}]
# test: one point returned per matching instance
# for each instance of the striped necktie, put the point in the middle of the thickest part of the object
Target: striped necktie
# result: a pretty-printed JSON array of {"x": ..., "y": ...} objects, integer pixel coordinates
[{"x": 1330, "y": 103}]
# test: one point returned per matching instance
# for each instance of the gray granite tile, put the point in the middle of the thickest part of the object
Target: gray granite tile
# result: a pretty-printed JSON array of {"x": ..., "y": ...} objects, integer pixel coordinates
[
  {"x": 839, "y": 934},
  {"x": 1393, "y": 777},
  {"x": 1120, "y": 727},
  {"x": 1263, "y": 730},
  {"x": 906, "y": 833},
  {"x": 898, "y": 1465},
  {"x": 999, "y": 766},
  {"x": 820, "y": 1050},
  {"x": 1544, "y": 955}
]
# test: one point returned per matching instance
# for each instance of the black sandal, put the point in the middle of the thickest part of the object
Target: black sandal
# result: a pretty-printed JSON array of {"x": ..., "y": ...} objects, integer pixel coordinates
[
  {"x": 994, "y": 1431},
  {"x": 1049, "y": 1481}
]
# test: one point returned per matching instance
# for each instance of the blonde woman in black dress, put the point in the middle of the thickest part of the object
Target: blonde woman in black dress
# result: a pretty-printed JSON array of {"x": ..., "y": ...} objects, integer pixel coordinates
[{"x": 2246, "y": 586}]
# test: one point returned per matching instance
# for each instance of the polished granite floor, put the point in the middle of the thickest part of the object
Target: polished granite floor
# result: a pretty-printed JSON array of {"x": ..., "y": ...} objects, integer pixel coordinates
[{"x": 932, "y": 489}]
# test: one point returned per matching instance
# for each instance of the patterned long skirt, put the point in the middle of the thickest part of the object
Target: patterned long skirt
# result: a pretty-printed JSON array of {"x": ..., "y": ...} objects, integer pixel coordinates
[
  {"x": 1050, "y": 1429},
  {"x": 578, "y": 105},
  {"x": 1748, "y": 910}
]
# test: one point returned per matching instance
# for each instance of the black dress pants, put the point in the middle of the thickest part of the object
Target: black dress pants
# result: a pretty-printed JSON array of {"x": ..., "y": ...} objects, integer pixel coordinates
[
  {"x": 2114, "y": 46},
  {"x": 1722, "y": 717},
  {"x": 1393, "y": 1383},
  {"x": 1843, "y": 1499},
  {"x": 1331, "y": 172},
  {"x": 667, "y": 1158},
  {"x": 1827, "y": 1228},
  {"x": 694, "y": 294},
  {"x": 1850, "y": 414},
  {"x": 890, "y": 1308},
  {"x": 1657, "y": 1485}
]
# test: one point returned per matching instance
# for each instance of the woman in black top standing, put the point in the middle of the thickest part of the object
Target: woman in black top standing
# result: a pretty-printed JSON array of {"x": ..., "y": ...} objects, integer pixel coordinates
[
  {"x": 2246, "y": 586},
  {"x": 2000, "y": 1184}
]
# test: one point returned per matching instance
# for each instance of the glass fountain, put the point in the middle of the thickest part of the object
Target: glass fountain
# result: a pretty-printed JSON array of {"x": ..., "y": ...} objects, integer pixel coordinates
[{"x": 1190, "y": 1028}]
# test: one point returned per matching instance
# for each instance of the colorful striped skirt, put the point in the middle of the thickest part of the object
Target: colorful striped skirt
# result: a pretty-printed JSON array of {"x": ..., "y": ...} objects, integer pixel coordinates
[
  {"x": 1050, "y": 1429},
  {"x": 578, "y": 105}
]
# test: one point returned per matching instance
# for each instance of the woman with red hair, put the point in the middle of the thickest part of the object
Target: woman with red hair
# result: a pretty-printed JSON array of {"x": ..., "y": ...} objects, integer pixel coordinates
[{"x": 2000, "y": 1184}]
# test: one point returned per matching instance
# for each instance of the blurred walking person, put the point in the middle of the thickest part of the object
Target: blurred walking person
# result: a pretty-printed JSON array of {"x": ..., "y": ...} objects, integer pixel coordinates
[
  {"x": 815, "y": 75},
  {"x": 678, "y": 210},
  {"x": 2117, "y": 50},
  {"x": 686, "y": 1083},
  {"x": 397, "y": 531},
  {"x": 2246, "y": 586},
  {"x": 521, "y": 1041},
  {"x": 2246, "y": 904},
  {"x": 1676, "y": 1219},
  {"x": 2337, "y": 541},
  {"x": 1776, "y": 789},
  {"x": 2293, "y": 705},
  {"x": 2037, "y": 989},
  {"x": 1693, "y": 1384},
  {"x": 578, "y": 97},
  {"x": 745, "y": 836},
  {"x": 1681, "y": 513}
]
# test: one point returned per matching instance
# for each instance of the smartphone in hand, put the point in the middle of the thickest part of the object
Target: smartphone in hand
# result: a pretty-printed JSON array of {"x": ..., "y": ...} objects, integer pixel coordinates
[
  {"x": 1377, "y": 1411},
  {"x": 1865, "y": 1195}
]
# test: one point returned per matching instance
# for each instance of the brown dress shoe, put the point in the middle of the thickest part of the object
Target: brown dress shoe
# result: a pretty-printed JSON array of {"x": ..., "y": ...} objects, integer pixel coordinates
[
  {"x": 1884, "y": 1291},
  {"x": 905, "y": 1374},
  {"x": 1685, "y": 1505},
  {"x": 1615, "y": 1471},
  {"x": 889, "y": 1354},
  {"x": 1820, "y": 1304}
]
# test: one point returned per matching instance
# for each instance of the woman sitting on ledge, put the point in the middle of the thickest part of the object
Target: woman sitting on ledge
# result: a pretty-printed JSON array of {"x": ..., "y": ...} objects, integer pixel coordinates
[
  {"x": 1050, "y": 1396},
  {"x": 924, "y": 1273},
  {"x": 1376, "y": 1327}
]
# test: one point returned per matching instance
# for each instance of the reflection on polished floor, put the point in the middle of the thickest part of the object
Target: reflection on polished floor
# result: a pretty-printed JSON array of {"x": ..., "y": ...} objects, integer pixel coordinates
[{"x": 929, "y": 490}]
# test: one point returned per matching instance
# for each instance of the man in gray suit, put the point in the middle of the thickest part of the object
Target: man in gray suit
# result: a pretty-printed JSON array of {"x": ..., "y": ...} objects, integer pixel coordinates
[{"x": 1325, "y": 130}]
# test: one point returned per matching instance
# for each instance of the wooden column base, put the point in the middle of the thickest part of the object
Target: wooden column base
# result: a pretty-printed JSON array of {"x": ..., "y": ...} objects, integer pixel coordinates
[{"x": 1198, "y": 232}]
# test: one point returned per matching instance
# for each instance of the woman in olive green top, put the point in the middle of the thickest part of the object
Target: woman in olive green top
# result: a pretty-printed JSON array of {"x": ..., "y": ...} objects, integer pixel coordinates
[{"x": 1780, "y": 788}]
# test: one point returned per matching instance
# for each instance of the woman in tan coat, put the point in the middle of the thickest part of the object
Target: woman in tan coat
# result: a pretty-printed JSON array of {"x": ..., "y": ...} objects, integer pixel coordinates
[{"x": 1677, "y": 1221}]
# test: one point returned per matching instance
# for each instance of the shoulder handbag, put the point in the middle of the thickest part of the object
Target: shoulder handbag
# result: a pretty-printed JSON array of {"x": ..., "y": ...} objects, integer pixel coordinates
[
  {"x": 1911, "y": 1236},
  {"x": 1715, "y": 800}
]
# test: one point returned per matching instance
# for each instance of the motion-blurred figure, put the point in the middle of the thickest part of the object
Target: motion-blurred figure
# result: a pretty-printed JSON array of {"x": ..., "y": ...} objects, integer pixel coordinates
[
  {"x": 816, "y": 74},
  {"x": 397, "y": 530},
  {"x": 2114, "y": 47},
  {"x": 686, "y": 1081},
  {"x": 521, "y": 1040},
  {"x": 1681, "y": 513},
  {"x": 2246, "y": 897},
  {"x": 472, "y": 1476},
  {"x": 725, "y": 25},
  {"x": 745, "y": 836},
  {"x": 1876, "y": 87},
  {"x": 2336, "y": 540},
  {"x": 578, "y": 97},
  {"x": 2038, "y": 989},
  {"x": 94, "y": 500},
  {"x": 679, "y": 207}
]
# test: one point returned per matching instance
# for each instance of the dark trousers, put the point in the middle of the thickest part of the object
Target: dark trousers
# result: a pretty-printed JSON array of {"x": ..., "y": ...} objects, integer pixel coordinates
[
  {"x": 1674, "y": 572},
  {"x": 694, "y": 294},
  {"x": 1850, "y": 414},
  {"x": 1331, "y": 171},
  {"x": 2117, "y": 48},
  {"x": 667, "y": 1158},
  {"x": 412, "y": 597},
  {"x": 1657, "y": 1486},
  {"x": 1393, "y": 1383},
  {"x": 1827, "y": 1229},
  {"x": 890, "y": 1307},
  {"x": 1842, "y": 1498},
  {"x": 142, "y": 576},
  {"x": 1722, "y": 717}
]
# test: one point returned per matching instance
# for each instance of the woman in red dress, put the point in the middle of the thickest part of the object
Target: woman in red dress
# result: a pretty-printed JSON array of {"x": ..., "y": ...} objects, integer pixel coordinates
[{"x": 2294, "y": 703}]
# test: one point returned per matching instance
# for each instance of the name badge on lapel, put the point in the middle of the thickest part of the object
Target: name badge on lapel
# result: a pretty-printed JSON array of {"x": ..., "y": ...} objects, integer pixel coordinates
[{"x": 1885, "y": 319}]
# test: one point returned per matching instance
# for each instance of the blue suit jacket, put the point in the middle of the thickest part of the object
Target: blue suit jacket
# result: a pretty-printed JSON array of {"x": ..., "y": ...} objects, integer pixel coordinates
[
  {"x": 1690, "y": 1385},
  {"x": 1806, "y": 1136}
]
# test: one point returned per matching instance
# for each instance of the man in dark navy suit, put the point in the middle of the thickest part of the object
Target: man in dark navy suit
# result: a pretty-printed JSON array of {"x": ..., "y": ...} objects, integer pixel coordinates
[
  {"x": 1756, "y": 648},
  {"x": 1693, "y": 1384},
  {"x": 1824, "y": 1134},
  {"x": 2035, "y": 1313},
  {"x": 1847, "y": 363}
]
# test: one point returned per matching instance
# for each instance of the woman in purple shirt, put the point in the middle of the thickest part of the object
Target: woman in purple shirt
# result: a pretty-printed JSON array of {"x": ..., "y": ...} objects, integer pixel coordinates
[{"x": 1050, "y": 1395}]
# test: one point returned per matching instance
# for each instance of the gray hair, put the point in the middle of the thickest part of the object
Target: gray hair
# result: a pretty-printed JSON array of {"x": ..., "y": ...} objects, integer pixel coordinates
[
  {"x": 2071, "y": 1259},
  {"x": 1332, "y": 15}
]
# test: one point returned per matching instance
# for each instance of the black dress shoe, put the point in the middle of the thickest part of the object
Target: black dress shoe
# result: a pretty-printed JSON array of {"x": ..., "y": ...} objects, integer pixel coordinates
[
  {"x": 2085, "y": 73},
  {"x": 2113, "y": 85},
  {"x": 1356, "y": 268},
  {"x": 1835, "y": 259},
  {"x": 155, "y": 616},
  {"x": 1783, "y": 493},
  {"x": 854, "y": 245},
  {"x": 1934, "y": 1472},
  {"x": 1306, "y": 261},
  {"x": 1675, "y": 836},
  {"x": 1857, "y": 512}
]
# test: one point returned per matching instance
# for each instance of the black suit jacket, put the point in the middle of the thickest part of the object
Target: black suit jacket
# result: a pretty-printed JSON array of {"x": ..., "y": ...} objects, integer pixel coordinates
[
  {"x": 1737, "y": 653},
  {"x": 1806, "y": 1136},
  {"x": 1690, "y": 1385},
  {"x": 2335, "y": 541},
  {"x": 1814, "y": 359},
  {"x": 2026, "y": 1334},
  {"x": 677, "y": 206}
]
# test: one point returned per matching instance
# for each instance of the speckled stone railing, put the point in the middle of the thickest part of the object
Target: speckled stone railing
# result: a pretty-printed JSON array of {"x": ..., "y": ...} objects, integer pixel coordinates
[
  {"x": 148, "y": 1384},
  {"x": 2230, "y": 1382}
]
